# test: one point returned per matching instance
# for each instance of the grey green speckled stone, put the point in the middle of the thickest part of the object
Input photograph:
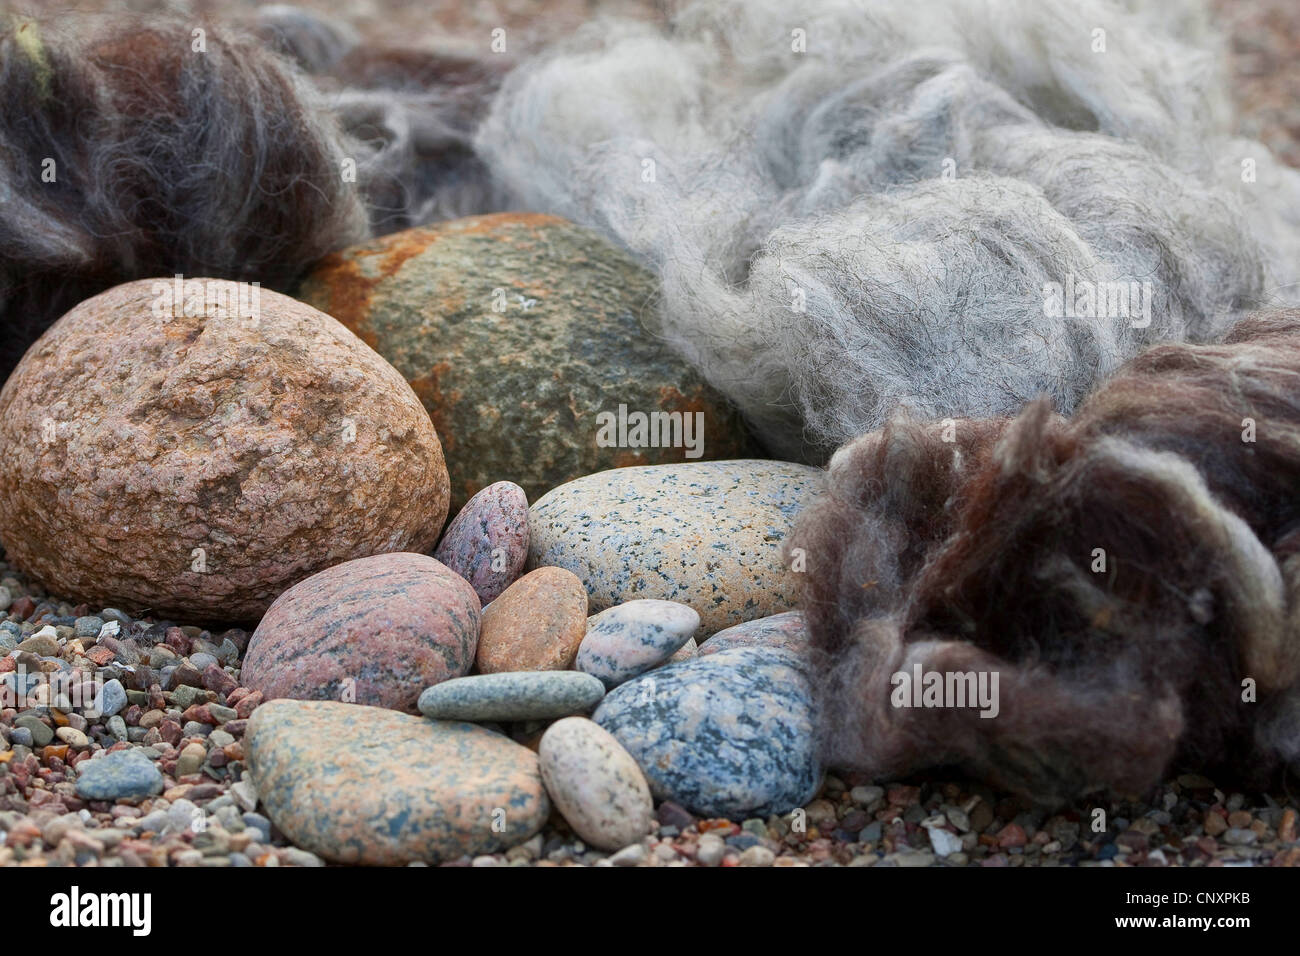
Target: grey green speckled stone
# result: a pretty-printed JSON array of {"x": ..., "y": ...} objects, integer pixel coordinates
[
  {"x": 631, "y": 638},
  {"x": 521, "y": 325},
  {"x": 356, "y": 784},
  {"x": 707, "y": 534},
  {"x": 517, "y": 695},
  {"x": 728, "y": 735},
  {"x": 780, "y": 630}
]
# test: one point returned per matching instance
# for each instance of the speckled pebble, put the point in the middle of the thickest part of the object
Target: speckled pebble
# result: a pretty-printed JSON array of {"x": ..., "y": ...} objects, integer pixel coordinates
[
  {"x": 521, "y": 695},
  {"x": 123, "y": 774},
  {"x": 487, "y": 543},
  {"x": 367, "y": 785},
  {"x": 595, "y": 784},
  {"x": 376, "y": 630},
  {"x": 780, "y": 630},
  {"x": 631, "y": 638},
  {"x": 727, "y": 735},
  {"x": 707, "y": 534},
  {"x": 536, "y": 625},
  {"x": 110, "y": 699}
]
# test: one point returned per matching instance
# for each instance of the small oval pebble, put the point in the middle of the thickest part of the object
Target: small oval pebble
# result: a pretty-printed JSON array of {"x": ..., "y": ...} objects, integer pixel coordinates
[
  {"x": 780, "y": 630},
  {"x": 595, "y": 784},
  {"x": 375, "y": 631},
  {"x": 536, "y": 625},
  {"x": 631, "y": 638},
  {"x": 357, "y": 784},
  {"x": 521, "y": 695},
  {"x": 487, "y": 543}
]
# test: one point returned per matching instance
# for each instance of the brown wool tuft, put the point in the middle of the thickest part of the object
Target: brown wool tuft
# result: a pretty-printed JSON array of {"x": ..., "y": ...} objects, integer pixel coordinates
[{"x": 980, "y": 554}]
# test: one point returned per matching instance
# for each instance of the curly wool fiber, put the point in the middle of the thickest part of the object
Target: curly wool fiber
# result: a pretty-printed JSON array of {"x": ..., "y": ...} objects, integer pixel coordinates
[
  {"x": 854, "y": 207},
  {"x": 1123, "y": 572},
  {"x": 126, "y": 153},
  {"x": 409, "y": 114}
]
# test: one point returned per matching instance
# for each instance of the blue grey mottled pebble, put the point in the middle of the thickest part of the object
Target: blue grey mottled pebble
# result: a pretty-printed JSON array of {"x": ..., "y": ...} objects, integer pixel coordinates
[
  {"x": 729, "y": 735},
  {"x": 709, "y": 534},
  {"x": 512, "y": 695},
  {"x": 110, "y": 699},
  {"x": 634, "y": 637},
  {"x": 118, "y": 775}
]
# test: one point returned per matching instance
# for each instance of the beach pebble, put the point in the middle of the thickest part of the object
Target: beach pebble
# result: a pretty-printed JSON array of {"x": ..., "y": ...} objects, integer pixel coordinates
[
  {"x": 487, "y": 543},
  {"x": 727, "y": 735},
  {"x": 357, "y": 784},
  {"x": 123, "y": 774},
  {"x": 198, "y": 465},
  {"x": 536, "y": 625},
  {"x": 707, "y": 534},
  {"x": 525, "y": 325},
  {"x": 631, "y": 638},
  {"x": 110, "y": 699},
  {"x": 786, "y": 631},
  {"x": 373, "y": 631},
  {"x": 520, "y": 695},
  {"x": 595, "y": 784}
]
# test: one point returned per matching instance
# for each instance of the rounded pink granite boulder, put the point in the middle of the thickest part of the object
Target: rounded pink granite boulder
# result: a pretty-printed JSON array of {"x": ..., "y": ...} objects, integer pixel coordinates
[
  {"x": 375, "y": 631},
  {"x": 197, "y": 453}
]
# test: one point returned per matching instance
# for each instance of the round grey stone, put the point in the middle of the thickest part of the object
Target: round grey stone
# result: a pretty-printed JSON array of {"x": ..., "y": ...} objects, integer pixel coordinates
[
  {"x": 118, "y": 775},
  {"x": 728, "y": 735}
]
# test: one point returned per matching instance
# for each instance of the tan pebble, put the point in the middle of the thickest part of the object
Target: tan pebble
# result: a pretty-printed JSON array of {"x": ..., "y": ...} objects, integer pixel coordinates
[{"x": 536, "y": 625}]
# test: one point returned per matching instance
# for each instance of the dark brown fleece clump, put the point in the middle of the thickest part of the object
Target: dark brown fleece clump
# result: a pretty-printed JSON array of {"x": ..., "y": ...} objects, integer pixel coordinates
[
  {"x": 974, "y": 546},
  {"x": 125, "y": 152}
]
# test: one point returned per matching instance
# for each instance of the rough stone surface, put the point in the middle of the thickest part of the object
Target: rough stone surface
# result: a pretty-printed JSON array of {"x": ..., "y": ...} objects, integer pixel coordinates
[
  {"x": 200, "y": 465},
  {"x": 357, "y": 784},
  {"x": 522, "y": 695},
  {"x": 382, "y": 628},
  {"x": 786, "y": 631},
  {"x": 536, "y": 625},
  {"x": 595, "y": 783},
  {"x": 728, "y": 735},
  {"x": 125, "y": 774},
  {"x": 707, "y": 534},
  {"x": 569, "y": 342},
  {"x": 487, "y": 543},
  {"x": 631, "y": 638}
]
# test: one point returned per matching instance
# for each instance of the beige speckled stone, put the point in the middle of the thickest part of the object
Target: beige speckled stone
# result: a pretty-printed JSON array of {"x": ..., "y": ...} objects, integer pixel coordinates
[
  {"x": 357, "y": 784},
  {"x": 707, "y": 534},
  {"x": 595, "y": 783},
  {"x": 199, "y": 466},
  {"x": 536, "y": 625}
]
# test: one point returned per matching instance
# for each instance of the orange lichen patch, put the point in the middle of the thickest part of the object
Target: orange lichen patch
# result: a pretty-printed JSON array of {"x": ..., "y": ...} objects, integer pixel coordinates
[{"x": 439, "y": 404}]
